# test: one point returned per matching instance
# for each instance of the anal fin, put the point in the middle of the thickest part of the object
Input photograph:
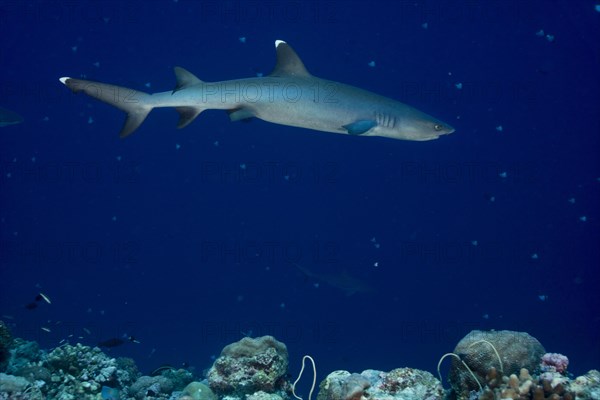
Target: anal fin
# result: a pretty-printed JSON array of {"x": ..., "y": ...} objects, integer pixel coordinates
[{"x": 187, "y": 115}]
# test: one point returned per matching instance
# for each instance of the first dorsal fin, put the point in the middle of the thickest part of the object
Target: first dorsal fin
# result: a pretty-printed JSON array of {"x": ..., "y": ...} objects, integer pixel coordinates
[
  {"x": 184, "y": 79},
  {"x": 288, "y": 62}
]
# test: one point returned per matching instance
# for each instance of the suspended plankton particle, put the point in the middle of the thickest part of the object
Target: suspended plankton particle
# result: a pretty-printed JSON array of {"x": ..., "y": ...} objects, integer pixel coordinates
[
  {"x": 550, "y": 38},
  {"x": 376, "y": 264},
  {"x": 503, "y": 174},
  {"x": 371, "y": 64},
  {"x": 242, "y": 39},
  {"x": 597, "y": 7},
  {"x": 474, "y": 242},
  {"x": 571, "y": 200},
  {"x": 458, "y": 85},
  {"x": 243, "y": 166},
  {"x": 535, "y": 256},
  {"x": 216, "y": 143},
  {"x": 45, "y": 298},
  {"x": 90, "y": 120},
  {"x": 114, "y": 218},
  {"x": 540, "y": 33},
  {"x": 177, "y": 146},
  {"x": 425, "y": 25},
  {"x": 499, "y": 128},
  {"x": 97, "y": 64},
  {"x": 543, "y": 297},
  {"x": 583, "y": 218},
  {"x": 73, "y": 49},
  {"x": 485, "y": 316},
  {"x": 259, "y": 74}
]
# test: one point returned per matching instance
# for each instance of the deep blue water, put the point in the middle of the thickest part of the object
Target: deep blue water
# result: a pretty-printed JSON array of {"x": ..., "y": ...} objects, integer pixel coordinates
[{"x": 165, "y": 236}]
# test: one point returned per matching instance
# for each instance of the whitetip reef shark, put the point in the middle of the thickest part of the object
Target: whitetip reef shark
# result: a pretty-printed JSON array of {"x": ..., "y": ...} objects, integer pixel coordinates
[
  {"x": 341, "y": 281},
  {"x": 290, "y": 95}
]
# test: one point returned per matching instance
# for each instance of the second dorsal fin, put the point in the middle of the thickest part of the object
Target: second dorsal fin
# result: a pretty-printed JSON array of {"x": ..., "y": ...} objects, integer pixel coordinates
[{"x": 184, "y": 79}]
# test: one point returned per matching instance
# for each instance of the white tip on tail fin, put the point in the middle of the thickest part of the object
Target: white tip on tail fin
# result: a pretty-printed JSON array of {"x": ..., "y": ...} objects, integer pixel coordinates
[
  {"x": 133, "y": 102},
  {"x": 278, "y": 42}
]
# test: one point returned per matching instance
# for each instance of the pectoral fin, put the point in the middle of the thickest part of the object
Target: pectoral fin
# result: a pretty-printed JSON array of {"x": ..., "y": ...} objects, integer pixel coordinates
[
  {"x": 240, "y": 114},
  {"x": 360, "y": 127}
]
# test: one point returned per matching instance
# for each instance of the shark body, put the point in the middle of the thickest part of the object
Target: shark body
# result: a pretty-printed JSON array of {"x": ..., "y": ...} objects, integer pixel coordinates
[{"x": 290, "y": 95}]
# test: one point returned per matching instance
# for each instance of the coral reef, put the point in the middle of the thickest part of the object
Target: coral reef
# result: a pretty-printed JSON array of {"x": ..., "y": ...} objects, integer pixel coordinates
[
  {"x": 66, "y": 373},
  {"x": 398, "y": 384},
  {"x": 256, "y": 369},
  {"x": 507, "y": 351},
  {"x": 546, "y": 386},
  {"x": 249, "y": 366}
]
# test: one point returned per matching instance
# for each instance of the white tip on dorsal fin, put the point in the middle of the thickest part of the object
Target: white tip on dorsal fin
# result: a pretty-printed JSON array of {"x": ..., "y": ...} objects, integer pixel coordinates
[
  {"x": 64, "y": 79},
  {"x": 288, "y": 62}
]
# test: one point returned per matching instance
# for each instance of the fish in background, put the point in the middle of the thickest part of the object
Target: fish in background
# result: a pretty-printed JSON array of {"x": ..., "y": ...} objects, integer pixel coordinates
[
  {"x": 114, "y": 342},
  {"x": 8, "y": 117}
]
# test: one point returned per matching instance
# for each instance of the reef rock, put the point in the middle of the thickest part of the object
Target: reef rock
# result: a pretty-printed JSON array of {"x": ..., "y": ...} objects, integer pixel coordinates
[
  {"x": 398, "y": 384},
  {"x": 5, "y": 344},
  {"x": 12, "y": 385},
  {"x": 505, "y": 351},
  {"x": 198, "y": 391},
  {"x": 587, "y": 387},
  {"x": 249, "y": 366},
  {"x": 150, "y": 386}
]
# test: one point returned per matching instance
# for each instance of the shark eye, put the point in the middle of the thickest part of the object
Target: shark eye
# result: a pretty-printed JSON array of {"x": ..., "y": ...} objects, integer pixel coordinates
[{"x": 437, "y": 127}]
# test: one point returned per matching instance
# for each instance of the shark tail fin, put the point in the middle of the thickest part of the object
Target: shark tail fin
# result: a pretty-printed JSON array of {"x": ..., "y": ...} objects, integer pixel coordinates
[{"x": 135, "y": 103}]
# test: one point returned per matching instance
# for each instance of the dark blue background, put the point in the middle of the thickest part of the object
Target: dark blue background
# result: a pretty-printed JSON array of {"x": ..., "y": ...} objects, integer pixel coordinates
[{"x": 164, "y": 236}]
